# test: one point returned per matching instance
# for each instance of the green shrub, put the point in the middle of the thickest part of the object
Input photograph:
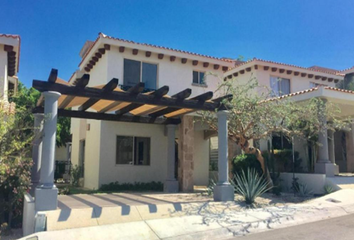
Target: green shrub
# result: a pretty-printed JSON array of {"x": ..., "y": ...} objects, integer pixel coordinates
[
  {"x": 328, "y": 189},
  {"x": 76, "y": 173},
  {"x": 137, "y": 186},
  {"x": 250, "y": 185},
  {"x": 243, "y": 162},
  {"x": 283, "y": 160}
]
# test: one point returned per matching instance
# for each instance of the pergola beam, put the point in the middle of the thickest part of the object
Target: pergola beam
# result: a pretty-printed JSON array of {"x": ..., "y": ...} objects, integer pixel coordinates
[
  {"x": 111, "y": 117},
  {"x": 158, "y": 94},
  {"x": 81, "y": 83},
  {"x": 95, "y": 93},
  {"x": 109, "y": 87}
]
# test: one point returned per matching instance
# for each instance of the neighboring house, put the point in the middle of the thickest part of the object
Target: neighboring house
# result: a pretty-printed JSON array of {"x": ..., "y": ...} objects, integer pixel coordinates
[
  {"x": 304, "y": 83},
  {"x": 136, "y": 152},
  {"x": 9, "y": 66}
]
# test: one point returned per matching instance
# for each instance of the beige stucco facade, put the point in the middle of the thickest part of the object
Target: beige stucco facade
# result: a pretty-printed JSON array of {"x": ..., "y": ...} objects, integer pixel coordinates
[
  {"x": 100, "y": 136},
  {"x": 193, "y": 149}
]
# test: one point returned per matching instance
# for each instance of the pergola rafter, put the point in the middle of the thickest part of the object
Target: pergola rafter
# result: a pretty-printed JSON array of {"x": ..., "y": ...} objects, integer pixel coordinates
[{"x": 111, "y": 103}]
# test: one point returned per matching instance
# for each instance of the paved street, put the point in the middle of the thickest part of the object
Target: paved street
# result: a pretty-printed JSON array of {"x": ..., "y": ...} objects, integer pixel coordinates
[{"x": 340, "y": 228}]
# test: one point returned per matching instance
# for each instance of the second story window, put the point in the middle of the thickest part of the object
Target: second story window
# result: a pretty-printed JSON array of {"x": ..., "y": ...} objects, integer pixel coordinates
[
  {"x": 198, "y": 77},
  {"x": 136, "y": 71},
  {"x": 279, "y": 86}
]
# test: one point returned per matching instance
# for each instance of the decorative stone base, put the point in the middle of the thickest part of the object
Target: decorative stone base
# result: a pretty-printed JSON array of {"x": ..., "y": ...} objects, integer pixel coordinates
[
  {"x": 170, "y": 186},
  {"x": 329, "y": 169},
  {"x": 223, "y": 193},
  {"x": 46, "y": 199}
]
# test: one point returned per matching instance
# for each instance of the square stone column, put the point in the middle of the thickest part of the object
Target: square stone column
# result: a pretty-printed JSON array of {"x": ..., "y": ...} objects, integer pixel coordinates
[
  {"x": 323, "y": 165},
  {"x": 349, "y": 137},
  {"x": 185, "y": 154},
  {"x": 171, "y": 184},
  {"x": 331, "y": 151},
  {"x": 223, "y": 191}
]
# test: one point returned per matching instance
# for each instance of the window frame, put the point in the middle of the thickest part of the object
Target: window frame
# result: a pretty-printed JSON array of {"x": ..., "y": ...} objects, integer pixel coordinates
[
  {"x": 199, "y": 84},
  {"x": 141, "y": 70},
  {"x": 133, "y": 151},
  {"x": 278, "y": 82}
]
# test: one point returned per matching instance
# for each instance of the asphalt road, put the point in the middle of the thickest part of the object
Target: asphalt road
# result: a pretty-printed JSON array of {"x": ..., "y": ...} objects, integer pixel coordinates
[{"x": 341, "y": 228}]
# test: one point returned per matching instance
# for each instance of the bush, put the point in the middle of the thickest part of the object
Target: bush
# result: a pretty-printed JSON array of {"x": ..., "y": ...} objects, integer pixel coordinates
[
  {"x": 250, "y": 185},
  {"x": 243, "y": 162},
  {"x": 283, "y": 160},
  {"x": 137, "y": 186},
  {"x": 15, "y": 164},
  {"x": 76, "y": 173}
]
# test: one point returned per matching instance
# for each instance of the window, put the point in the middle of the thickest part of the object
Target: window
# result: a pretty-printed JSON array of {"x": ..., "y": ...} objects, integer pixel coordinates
[
  {"x": 136, "y": 71},
  {"x": 313, "y": 85},
  {"x": 280, "y": 86},
  {"x": 198, "y": 77},
  {"x": 133, "y": 150}
]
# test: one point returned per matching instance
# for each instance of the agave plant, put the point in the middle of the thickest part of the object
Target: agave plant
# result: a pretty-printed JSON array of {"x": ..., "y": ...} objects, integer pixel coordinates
[{"x": 250, "y": 185}]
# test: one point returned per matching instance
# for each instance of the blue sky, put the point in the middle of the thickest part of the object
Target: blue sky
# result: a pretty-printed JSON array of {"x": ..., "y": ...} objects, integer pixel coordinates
[{"x": 299, "y": 32}]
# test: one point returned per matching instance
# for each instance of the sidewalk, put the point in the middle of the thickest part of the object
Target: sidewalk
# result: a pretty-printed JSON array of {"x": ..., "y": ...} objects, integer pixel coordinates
[{"x": 215, "y": 221}]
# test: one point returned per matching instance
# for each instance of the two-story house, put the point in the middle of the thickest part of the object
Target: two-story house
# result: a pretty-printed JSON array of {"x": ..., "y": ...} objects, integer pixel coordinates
[
  {"x": 131, "y": 152},
  {"x": 9, "y": 66},
  {"x": 285, "y": 80},
  {"x": 137, "y": 152}
]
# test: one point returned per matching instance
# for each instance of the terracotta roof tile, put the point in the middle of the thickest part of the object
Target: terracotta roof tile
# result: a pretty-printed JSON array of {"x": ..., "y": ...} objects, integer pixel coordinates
[
  {"x": 101, "y": 35},
  {"x": 14, "y": 36},
  {"x": 310, "y": 90},
  {"x": 324, "y": 69},
  {"x": 288, "y": 65}
]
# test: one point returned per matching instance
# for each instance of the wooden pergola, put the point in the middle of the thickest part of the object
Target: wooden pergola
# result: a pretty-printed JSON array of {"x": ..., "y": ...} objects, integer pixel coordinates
[{"x": 111, "y": 103}]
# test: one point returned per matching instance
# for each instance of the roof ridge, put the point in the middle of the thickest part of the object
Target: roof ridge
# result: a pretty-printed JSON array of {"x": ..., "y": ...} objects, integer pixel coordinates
[
  {"x": 284, "y": 64},
  {"x": 166, "y": 48}
]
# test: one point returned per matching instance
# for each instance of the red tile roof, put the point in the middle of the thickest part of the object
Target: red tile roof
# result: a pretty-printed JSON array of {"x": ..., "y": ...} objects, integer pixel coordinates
[
  {"x": 14, "y": 36},
  {"x": 288, "y": 65},
  {"x": 311, "y": 90},
  {"x": 101, "y": 35},
  {"x": 324, "y": 69}
]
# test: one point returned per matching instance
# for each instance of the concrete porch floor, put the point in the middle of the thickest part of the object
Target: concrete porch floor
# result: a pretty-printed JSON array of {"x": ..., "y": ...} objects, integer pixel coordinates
[{"x": 84, "y": 210}]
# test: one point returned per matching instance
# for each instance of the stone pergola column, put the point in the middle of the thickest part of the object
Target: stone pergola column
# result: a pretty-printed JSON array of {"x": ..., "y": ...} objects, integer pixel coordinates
[
  {"x": 331, "y": 151},
  {"x": 223, "y": 191},
  {"x": 323, "y": 164},
  {"x": 171, "y": 184},
  {"x": 185, "y": 154},
  {"x": 47, "y": 193},
  {"x": 349, "y": 139},
  {"x": 37, "y": 150}
]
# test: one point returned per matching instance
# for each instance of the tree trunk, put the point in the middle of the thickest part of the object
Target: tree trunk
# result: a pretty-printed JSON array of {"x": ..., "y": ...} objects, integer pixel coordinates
[{"x": 252, "y": 150}]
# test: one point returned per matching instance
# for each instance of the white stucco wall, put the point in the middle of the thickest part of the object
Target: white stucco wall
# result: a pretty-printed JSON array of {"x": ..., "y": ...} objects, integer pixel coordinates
[
  {"x": 297, "y": 83},
  {"x": 92, "y": 154},
  {"x": 111, "y": 172},
  {"x": 176, "y": 75},
  {"x": 201, "y": 159},
  {"x": 3, "y": 73},
  {"x": 100, "y": 167}
]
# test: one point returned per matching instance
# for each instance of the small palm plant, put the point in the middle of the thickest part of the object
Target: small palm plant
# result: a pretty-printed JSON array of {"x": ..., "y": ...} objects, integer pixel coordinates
[{"x": 250, "y": 185}]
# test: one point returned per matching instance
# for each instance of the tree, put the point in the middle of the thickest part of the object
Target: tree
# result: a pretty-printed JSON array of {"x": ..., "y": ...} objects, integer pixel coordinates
[
  {"x": 254, "y": 114},
  {"x": 15, "y": 163}
]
